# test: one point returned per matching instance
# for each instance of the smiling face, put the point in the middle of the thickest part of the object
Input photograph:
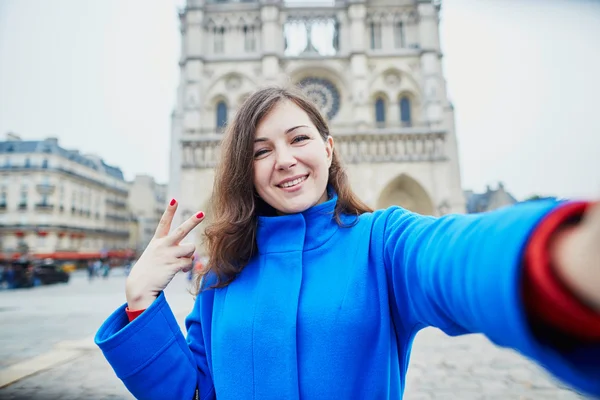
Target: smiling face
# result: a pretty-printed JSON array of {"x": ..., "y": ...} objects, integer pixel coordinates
[{"x": 291, "y": 160}]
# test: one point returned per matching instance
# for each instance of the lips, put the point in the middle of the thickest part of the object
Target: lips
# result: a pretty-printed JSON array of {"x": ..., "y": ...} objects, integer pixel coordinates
[{"x": 291, "y": 182}]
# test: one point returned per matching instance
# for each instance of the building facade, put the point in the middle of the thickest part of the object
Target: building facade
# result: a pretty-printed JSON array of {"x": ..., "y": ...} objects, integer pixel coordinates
[
  {"x": 147, "y": 202},
  {"x": 373, "y": 67},
  {"x": 56, "y": 201},
  {"x": 491, "y": 199}
]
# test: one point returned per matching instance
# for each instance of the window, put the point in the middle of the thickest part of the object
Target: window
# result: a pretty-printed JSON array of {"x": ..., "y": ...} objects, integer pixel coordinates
[
  {"x": 380, "y": 111},
  {"x": 3, "y": 197},
  {"x": 399, "y": 38},
  {"x": 45, "y": 163},
  {"x": 219, "y": 42},
  {"x": 405, "y": 116},
  {"x": 23, "y": 200},
  {"x": 27, "y": 163},
  {"x": 249, "y": 38},
  {"x": 44, "y": 200},
  {"x": 221, "y": 115},
  {"x": 375, "y": 36}
]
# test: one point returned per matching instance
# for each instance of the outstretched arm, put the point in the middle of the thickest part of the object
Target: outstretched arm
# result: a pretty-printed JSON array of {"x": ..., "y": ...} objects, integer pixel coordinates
[{"x": 464, "y": 274}]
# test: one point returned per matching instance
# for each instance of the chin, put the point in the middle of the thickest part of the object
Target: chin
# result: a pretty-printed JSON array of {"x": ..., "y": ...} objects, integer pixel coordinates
[{"x": 294, "y": 206}]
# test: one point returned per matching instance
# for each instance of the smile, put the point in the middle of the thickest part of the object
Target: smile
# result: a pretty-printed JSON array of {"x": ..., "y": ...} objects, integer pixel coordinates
[{"x": 292, "y": 183}]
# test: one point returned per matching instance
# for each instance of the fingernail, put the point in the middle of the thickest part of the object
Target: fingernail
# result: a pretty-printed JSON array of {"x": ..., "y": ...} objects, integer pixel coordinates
[
  {"x": 200, "y": 215},
  {"x": 173, "y": 201}
]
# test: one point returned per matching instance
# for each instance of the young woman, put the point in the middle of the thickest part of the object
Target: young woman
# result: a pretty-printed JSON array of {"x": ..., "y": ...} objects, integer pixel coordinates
[{"x": 309, "y": 294}]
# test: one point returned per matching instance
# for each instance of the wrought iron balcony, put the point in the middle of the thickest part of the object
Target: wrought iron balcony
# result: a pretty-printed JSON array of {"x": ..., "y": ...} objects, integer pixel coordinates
[
  {"x": 116, "y": 203},
  {"x": 44, "y": 207},
  {"x": 377, "y": 145},
  {"x": 45, "y": 188},
  {"x": 115, "y": 217}
]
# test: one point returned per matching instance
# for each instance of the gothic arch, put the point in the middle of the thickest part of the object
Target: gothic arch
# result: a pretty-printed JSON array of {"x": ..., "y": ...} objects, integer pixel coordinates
[
  {"x": 406, "y": 192},
  {"x": 406, "y": 80},
  {"x": 218, "y": 86},
  {"x": 379, "y": 105},
  {"x": 217, "y": 99},
  {"x": 407, "y": 102},
  {"x": 318, "y": 70}
]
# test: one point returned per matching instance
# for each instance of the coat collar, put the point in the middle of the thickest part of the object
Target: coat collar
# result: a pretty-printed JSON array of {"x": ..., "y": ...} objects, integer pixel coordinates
[{"x": 297, "y": 232}]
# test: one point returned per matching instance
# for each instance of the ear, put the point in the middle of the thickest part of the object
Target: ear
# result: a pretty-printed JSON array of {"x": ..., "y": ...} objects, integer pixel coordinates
[{"x": 329, "y": 150}]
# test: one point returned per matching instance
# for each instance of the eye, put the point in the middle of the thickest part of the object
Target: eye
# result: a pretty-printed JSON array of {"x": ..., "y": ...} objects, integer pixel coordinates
[
  {"x": 261, "y": 152},
  {"x": 300, "y": 138}
]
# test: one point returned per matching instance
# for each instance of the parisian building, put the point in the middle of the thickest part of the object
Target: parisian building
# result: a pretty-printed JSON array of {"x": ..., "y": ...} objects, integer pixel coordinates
[
  {"x": 372, "y": 66},
  {"x": 490, "y": 200},
  {"x": 59, "y": 203},
  {"x": 147, "y": 202}
]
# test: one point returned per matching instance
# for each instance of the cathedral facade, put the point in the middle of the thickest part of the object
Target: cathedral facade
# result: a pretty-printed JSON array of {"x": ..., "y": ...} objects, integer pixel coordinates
[{"x": 373, "y": 67}]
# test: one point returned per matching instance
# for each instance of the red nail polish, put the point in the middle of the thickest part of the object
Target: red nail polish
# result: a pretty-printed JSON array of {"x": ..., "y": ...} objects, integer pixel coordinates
[
  {"x": 200, "y": 215},
  {"x": 173, "y": 201}
]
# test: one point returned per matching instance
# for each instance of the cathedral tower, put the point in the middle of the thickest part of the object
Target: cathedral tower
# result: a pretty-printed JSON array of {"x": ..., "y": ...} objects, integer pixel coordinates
[{"x": 373, "y": 66}]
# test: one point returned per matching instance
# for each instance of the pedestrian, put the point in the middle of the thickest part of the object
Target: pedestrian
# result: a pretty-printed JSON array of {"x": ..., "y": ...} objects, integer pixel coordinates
[
  {"x": 105, "y": 268},
  {"x": 90, "y": 270},
  {"x": 310, "y": 294}
]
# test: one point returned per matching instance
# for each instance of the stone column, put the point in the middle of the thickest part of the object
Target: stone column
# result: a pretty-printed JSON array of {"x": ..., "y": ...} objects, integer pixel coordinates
[
  {"x": 431, "y": 68},
  {"x": 437, "y": 109},
  {"x": 271, "y": 40},
  {"x": 358, "y": 62}
]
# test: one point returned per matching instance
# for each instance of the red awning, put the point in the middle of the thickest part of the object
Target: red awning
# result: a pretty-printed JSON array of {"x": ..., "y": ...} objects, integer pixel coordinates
[{"x": 72, "y": 255}]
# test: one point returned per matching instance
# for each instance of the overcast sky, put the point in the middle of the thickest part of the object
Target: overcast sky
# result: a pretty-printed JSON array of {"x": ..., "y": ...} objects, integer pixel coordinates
[{"x": 523, "y": 75}]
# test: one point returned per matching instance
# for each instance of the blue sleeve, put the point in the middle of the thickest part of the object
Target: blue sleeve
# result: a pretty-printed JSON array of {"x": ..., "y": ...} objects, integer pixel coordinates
[
  {"x": 152, "y": 357},
  {"x": 462, "y": 274}
]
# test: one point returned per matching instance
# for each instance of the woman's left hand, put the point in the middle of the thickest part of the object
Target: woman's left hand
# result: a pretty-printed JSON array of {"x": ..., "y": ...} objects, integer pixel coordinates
[{"x": 575, "y": 254}]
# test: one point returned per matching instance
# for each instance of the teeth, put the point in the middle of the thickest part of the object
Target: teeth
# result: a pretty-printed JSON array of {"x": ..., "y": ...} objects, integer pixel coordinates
[{"x": 293, "y": 183}]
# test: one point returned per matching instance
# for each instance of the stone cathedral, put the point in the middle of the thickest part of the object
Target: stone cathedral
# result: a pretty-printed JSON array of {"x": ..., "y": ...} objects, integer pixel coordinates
[{"x": 373, "y": 66}]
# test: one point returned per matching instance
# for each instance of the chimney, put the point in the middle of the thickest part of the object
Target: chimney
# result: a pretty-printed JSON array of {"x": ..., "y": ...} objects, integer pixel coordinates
[{"x": 51, "y": 141}]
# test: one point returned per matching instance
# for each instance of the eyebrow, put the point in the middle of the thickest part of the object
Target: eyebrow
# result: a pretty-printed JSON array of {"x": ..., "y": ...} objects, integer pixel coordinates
[{"x": 263, "y": 139}]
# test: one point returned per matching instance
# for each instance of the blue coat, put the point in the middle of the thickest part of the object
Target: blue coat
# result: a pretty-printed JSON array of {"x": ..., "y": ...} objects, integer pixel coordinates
[{"x": 330, "y": 312}]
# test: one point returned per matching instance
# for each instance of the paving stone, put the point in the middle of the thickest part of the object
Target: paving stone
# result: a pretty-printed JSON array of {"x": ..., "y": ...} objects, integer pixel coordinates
[{"x": 38, "y": 320}]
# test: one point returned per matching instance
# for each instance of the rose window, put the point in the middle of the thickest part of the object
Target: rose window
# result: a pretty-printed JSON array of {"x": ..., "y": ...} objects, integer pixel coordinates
[{"x": 323, "y": 93}]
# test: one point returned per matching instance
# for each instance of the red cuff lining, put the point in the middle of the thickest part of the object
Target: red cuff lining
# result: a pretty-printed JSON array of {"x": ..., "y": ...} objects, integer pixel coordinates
[
  {"x": 133, "y": 314},
  {"x": 547, "y": 296}
]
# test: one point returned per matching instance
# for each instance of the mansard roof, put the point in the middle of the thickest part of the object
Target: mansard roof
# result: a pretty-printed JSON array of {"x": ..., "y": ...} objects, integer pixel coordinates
[{"x": 50, "y": 146}]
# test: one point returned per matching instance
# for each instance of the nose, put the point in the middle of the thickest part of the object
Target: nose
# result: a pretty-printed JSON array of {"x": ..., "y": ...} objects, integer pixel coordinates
[{"x": 285, "y": 159}]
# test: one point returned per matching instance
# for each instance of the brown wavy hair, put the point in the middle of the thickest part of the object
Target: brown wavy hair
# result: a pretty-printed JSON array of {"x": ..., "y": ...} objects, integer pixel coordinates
[{"x": 231, "y": 237}]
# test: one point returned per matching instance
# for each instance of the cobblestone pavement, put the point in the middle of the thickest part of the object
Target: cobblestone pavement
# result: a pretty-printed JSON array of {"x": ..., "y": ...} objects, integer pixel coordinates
[{"x": 467, "y": 367}]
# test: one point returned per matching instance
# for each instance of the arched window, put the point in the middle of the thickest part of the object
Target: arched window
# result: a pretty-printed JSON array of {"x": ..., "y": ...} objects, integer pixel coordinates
[
  {"x": 405, "y": 116},
  {"x": 221, "y": 115},
  {"x": 380, "y": 111}
]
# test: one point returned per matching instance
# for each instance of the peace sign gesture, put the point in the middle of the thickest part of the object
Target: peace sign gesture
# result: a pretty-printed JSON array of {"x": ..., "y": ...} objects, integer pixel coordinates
[{"x": 161, "y": 260}]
